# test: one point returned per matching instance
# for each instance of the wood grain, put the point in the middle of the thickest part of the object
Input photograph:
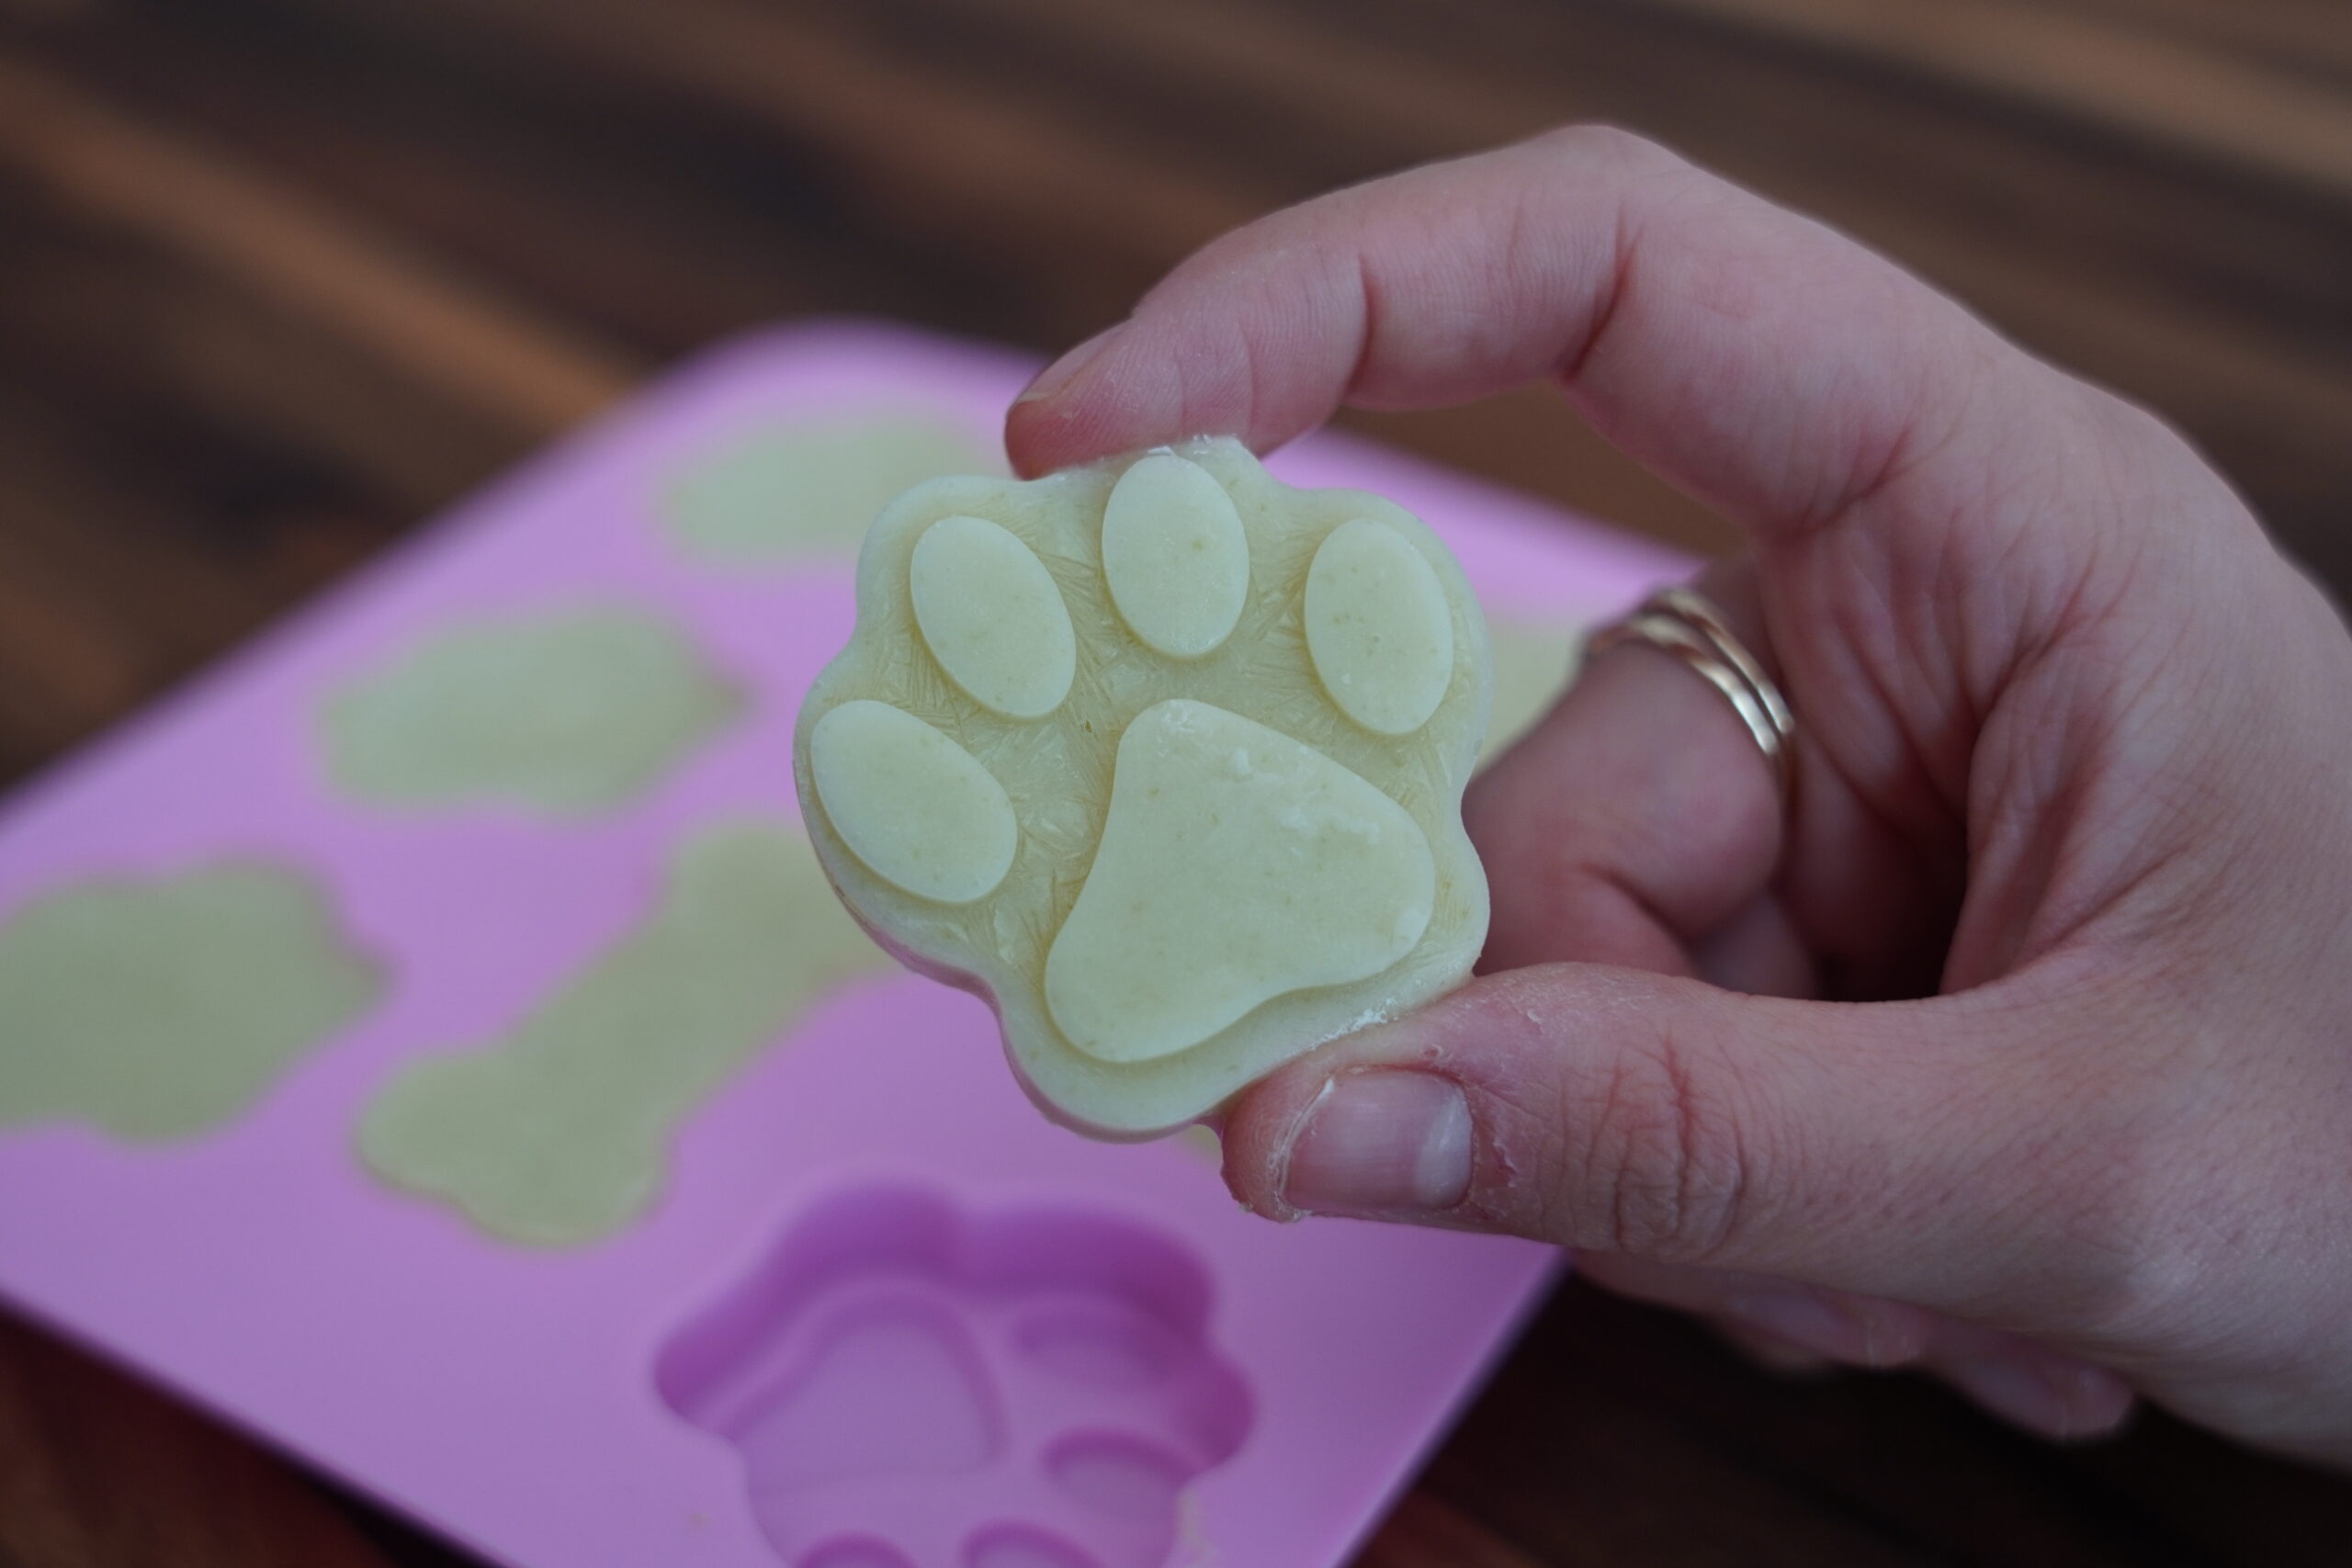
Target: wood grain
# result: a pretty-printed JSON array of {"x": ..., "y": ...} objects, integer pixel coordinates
[
  {"x": 1424, "y": 1532},
  {"x": 99, "y": 1471},
  {"x": 110, "y": 168},
  {"x": 278, "y": 278},
  {"x": 2166, "y": 91}
]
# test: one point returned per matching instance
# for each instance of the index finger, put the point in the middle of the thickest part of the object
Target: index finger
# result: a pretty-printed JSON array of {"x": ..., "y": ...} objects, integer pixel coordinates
[{"x": 1754, "y": 357}]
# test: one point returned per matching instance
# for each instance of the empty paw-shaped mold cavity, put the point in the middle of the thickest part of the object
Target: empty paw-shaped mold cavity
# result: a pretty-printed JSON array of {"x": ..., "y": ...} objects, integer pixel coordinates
[
  {"x": 557, "y": 1131},
  {"x": 563, "y": 711},
  {"x": 1163, "y": 757},
  {"x": 157, "y": 1009},
  {"x": 782, "y": 493},
  {"x": 911, "y": 1387},
  {"x": 1012, "y": 1546}
]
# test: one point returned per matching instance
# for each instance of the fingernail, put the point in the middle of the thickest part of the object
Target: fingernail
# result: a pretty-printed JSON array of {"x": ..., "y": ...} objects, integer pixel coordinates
[
  {"x": 2014, "y": 1393},
  {"x": 1775, "y": 1354},
  {"x": 1388, "y": 1142},
  {"x": 1854, "y": 1329},
  {"x": 1802, "y": 1320},
  {"x": 1060, "y": 373}
]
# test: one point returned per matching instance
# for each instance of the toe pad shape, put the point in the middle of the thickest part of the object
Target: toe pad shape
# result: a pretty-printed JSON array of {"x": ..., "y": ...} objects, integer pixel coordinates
[
  {"x": 1379, "y": 628},
  {"x": 992, "y": 616},
  {"x": 916, "y": 807},
  {"x": 1175, "y": 556}
]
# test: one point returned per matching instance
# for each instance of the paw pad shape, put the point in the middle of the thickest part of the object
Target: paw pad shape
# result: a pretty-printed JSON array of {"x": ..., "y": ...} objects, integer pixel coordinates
[
  {"x": 912, "y": 1388},
  {"x": 1163, "y": 757}
]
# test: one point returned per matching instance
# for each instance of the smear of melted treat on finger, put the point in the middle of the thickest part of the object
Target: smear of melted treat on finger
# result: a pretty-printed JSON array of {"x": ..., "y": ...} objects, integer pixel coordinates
[
  {"x": 557, "y": 1131},
  {"x": 1379, "y": 627},
  {"x": 1236, "y": 865},
  {"x": 1175, "y": 556},
  {"x": 158, "y": 1008}
]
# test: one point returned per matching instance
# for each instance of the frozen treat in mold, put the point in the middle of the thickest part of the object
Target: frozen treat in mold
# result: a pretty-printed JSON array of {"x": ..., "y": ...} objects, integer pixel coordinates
[
  {"x": 557, "y": 1131},
  {"x": 1164, "y": 758},
  {"x": 159, "y": 1008},
  {"x": 569, "y": 711}
]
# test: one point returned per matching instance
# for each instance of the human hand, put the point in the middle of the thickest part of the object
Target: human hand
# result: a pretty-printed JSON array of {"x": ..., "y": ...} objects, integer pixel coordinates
[{"x": 2022, "y": 1048}]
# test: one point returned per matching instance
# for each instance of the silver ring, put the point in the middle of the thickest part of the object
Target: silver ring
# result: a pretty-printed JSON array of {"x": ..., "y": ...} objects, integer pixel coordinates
[{"x": 1677, "y": 621}]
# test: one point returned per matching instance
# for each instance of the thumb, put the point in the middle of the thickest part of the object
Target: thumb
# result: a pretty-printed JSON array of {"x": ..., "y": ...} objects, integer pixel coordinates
[{"x": 1903, "y": 1149}]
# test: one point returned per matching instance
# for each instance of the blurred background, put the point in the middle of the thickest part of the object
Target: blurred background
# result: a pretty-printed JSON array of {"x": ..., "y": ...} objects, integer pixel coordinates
[{"x": 280, "y": 278}]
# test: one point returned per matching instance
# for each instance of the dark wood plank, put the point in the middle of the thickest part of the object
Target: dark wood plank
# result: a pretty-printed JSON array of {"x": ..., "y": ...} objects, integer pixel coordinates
[
  {"x": 1422, "y": 1533},
  {"x": 278, "y": 278},
  {"x": 99, "y": 1471},
  {"x": 2223, "y": 306},
  {"x": 2305, "y": 38},
  {"x": 2220, "y": 299},
  {"x": 2205, "y": 103},
  {"x": 481, "y": 355},
  {"x": 938, "y": 158},
  {"x": 2222, "y": 302}
]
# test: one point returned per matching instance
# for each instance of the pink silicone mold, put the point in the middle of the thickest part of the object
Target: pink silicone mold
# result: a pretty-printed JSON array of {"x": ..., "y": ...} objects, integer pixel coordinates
[
  {"x": 866, "y": 1222},
  {"x": 908, "y": 1384}
]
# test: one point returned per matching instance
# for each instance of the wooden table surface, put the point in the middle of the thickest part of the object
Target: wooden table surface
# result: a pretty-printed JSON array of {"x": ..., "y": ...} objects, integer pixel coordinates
[{"x": 280, "y": 277}]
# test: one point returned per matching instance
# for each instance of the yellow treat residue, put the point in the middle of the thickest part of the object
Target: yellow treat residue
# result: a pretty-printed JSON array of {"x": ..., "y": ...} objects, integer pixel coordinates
[
  {"x": 159, "y": 1009},
  {"x": 1166, "y": 755},
  {"x": 557, "y": 1131}
]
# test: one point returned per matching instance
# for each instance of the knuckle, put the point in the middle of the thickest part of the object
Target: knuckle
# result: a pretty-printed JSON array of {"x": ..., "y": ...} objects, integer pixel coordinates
[
  {"x": 1658, "y": 1168},
  {"x": 2145, "y": 1247},
  {"x": 2115, "y": 1190}
]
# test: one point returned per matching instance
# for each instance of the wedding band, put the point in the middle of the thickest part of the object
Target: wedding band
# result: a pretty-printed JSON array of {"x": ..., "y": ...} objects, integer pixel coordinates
[{"x": 1680, "y": 622}]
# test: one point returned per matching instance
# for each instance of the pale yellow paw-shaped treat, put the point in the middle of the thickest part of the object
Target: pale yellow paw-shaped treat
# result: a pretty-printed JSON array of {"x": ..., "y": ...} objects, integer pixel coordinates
[{"x": 1164, "y": 758}]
